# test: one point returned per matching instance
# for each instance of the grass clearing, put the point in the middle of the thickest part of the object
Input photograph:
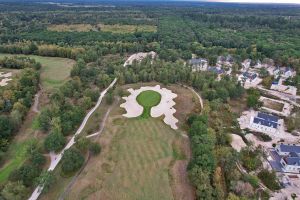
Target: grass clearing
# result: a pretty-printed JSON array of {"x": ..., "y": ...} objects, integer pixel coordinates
[
  {"x": 136, "y": 165},
  {"x": 118, "y": 28},
  {"x": 70, "y": 27},
  {"x": 148, "y": 99},
  {"x": 113, "y": 28},
  {"x": 55, "y": 71},
  {"x": 18, "y": 151}
]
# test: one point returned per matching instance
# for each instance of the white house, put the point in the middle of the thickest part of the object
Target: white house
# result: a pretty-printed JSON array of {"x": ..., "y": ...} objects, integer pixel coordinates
[
  {"x": 290, "y": 157},
  {"x": 265, "y": 123},
  {"x": 198, "y": 64},
  {"x": 288, "y": 89}
]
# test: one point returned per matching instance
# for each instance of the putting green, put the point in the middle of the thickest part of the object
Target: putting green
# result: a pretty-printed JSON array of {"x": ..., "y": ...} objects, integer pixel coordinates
[{"x": 148, "y": 99}]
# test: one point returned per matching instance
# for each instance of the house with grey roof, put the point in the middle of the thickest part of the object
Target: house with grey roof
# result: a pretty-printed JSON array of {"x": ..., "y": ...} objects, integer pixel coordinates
[
  {"x": 265, "y": 123},
  {"x": 198, "y": 64},
  {"x": 289, "y": 157}
]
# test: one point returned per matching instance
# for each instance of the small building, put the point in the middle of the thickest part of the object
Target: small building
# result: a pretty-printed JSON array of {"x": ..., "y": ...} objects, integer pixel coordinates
[
  {"x": 249, "y": 79},
  {"x": 265, "y": 123},
  {"x": 227, "y": 61},
  {"x": 217, "y": 70},
  {"x": 198, "y": 64},
  {"x": 246, "y": 64},
  {"x": 290, "y": 157},
  {"x": 288, "y": 89},
  {"x": 284, "y": 72}
]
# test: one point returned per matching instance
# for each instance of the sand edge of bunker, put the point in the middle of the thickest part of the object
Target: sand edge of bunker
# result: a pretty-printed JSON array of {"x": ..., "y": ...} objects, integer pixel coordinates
[{"x": 165, "y": 107}]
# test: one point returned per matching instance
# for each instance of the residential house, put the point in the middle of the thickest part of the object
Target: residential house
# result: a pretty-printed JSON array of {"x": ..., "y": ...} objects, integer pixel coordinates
[
  {"x": 249, "y": 79},
  {"x": 290, "y": 157},
  {"x": 198, "y": 64},
  {"x": 265, "y": 123}
]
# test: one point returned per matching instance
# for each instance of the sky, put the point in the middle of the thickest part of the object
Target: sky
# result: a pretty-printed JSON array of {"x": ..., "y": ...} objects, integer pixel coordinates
[{"x": 259, "y": 1}]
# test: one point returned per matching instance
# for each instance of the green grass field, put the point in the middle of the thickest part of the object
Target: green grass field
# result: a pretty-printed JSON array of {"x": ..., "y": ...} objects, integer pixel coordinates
[
  {"x": 19, "y": 153},
  {"x": 55, "y": 71},
  {"x": 136, "y": 166},
  {"x": 148, "y": 99}
]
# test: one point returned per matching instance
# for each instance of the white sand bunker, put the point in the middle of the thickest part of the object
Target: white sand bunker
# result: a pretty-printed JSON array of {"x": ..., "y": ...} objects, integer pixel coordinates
[
  {"x": 165, "y": 107},
  {"x": 6, "y": 79},
  {"x": 237, "y": 142},
  {"x": 139, "y": 57}
]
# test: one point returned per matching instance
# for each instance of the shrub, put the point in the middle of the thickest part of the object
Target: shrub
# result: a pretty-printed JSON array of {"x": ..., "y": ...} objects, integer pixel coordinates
[
  {"x": 72, "y": 160},
  {"x": 250, "y": 159},
  {"x": 265, "y": 137},
  {"x": 95, "y": 148},
  {"x": 253, "y": 180},
  {"x": 55, "y": 141},
  {"x": 269, "y": 179}
]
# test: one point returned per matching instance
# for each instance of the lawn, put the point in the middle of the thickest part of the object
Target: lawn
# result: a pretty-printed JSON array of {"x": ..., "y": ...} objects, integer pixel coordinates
[
  {"x": 70, "y": 27},
  {"x": 18, "y": 153},
  {"x": 117, "y": 28},
  {"x": 148, "y": 99},
  {"x": 134, "y": 163},
  {"x": 55, "y": 71},
  {"x": 112, "y": 28}
]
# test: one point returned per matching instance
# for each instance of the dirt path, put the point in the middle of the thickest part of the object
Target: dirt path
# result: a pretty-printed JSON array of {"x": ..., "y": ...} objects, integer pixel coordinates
[
  {"x": 55, "y": 158},
  {"x": 199, "y": 97}
]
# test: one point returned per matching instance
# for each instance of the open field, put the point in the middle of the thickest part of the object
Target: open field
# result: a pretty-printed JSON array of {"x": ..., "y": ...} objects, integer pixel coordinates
[
  {"x": 139, "y": 146},
  {"x": 55, "y": 71},
  {"x": 70, "y": 27},
  {"x": 17, "y": 152},
  {"x": 148, "y": 99},
  {"x": 115, "y": 28},
  {"x": 140, "y": 159}
]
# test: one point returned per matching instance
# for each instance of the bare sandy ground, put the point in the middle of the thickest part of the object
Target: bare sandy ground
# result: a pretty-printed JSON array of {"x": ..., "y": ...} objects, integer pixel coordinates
[
  {"x": 165, "y": 107},
  {"x": 237, "y": 142},
  {"x": 139, "y": 57},
  {"x": 5, "y": 79}
]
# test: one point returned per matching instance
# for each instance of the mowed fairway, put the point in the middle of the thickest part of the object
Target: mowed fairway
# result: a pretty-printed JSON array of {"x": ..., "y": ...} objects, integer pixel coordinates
[
  {"x": 135, "y": 165},
  {"x": 55, "y": 71}
]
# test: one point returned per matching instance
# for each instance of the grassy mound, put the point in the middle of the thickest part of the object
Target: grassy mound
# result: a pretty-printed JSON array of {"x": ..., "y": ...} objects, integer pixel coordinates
[{"x": 148, "y": 99}]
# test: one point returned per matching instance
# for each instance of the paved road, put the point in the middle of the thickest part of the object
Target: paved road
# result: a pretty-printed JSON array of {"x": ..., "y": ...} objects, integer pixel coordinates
[{"x": 55, "y": 158}]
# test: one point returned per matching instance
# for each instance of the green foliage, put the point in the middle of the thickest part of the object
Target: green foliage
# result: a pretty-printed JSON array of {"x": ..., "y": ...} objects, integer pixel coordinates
[
  {"x": 201, "y": 181},
  {"x": 253, "y": 180},
  {"x": 15, "y": 191},
  {"x": 55, "y": 141},
  {"x": 46, "y": 180},
  {"x": 253, "y": 98},
  {"x": 251, "y": 158},
  {"x": 82, "y": 143},
  {"x": 95, "y": 148},
  {"x": 71, "y": 161},
  {"x": 269, "y": 179},
  {"x": 27, "y": 174}
]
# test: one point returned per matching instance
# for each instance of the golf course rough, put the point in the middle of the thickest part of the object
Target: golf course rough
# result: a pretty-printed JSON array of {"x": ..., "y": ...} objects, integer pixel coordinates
[{"x": 148, "y": 99}]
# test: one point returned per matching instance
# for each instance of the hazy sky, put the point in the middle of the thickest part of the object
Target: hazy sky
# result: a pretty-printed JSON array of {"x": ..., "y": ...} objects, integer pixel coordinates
[{"x": 259, "y": 1}]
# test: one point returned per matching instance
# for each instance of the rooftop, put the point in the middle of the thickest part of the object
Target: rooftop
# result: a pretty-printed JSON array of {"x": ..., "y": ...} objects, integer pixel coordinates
[
  {"x": 194, "y": 61},
  {"x": 289, "y": 148},
  {"x": 267, "y": 117},
  {"x": 265, "y": 122}
]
